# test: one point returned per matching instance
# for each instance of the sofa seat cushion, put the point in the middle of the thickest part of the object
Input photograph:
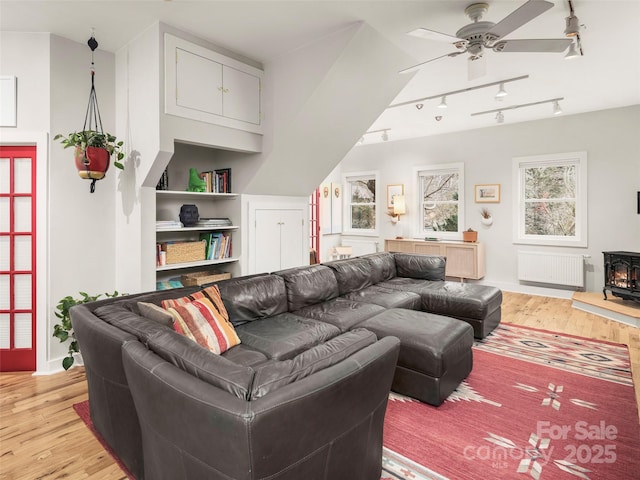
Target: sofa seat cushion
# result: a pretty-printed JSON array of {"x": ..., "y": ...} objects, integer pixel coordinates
[
  {"x": 352, "y": 274},
  {"x": 276, "y": 374},
  {"x": 253, "y": 297},
  {"x": 343, "y": 313},
  {"x": 244, "y": 355},
  {"x": 203, "y": 364},
  {"x": 286, "y": 335},
  {"x": 386, "y": 297},
  {"x": 309, "y": 285}
]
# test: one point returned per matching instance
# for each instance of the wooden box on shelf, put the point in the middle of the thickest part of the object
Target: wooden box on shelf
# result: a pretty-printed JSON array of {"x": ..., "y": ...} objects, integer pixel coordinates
[
  {"x": 183, "y": 252},
  {"x": 201, "y": 278}
]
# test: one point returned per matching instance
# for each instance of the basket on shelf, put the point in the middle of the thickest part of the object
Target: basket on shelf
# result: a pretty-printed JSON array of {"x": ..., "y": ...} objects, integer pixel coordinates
[
  {"x": 184, "y": 252},
  {"x": 201, "y": 278}
]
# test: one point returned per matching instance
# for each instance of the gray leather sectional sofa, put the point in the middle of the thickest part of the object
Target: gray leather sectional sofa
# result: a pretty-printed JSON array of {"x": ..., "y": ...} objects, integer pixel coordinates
[{"x": 305, "y": 393}]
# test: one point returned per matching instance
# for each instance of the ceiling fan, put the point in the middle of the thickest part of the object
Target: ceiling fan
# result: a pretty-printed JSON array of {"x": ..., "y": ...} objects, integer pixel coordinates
[{"x": 479, "y": 36}]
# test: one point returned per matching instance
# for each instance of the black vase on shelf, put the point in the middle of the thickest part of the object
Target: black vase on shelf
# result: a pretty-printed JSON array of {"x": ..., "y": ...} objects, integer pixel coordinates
[{"x": 189, "y": 215}]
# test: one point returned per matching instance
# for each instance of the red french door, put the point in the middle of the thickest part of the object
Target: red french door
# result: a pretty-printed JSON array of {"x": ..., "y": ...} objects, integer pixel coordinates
[{"x": 17, "y": 258}]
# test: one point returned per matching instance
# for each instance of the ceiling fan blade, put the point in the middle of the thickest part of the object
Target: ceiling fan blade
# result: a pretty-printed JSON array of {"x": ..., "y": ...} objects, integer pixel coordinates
[
  {"x": 420, "y": 65},
  {"x": 476, "y": 67},
  {"x": 543, "y": 45},
  {"x": 524, "y": 14},
  {"x": 433, "y": 35}
]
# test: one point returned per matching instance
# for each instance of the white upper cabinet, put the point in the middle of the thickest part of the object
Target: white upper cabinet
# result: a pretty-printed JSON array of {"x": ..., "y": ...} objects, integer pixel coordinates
[{"x": 204, "y": 85}]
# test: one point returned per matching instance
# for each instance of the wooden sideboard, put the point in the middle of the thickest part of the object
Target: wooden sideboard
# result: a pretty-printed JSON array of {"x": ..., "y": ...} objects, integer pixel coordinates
[{"x": 464, "y": 259}]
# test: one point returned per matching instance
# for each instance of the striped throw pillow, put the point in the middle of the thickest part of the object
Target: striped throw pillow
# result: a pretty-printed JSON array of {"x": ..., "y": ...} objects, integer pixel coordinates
[{"x": 204, "y": 320}]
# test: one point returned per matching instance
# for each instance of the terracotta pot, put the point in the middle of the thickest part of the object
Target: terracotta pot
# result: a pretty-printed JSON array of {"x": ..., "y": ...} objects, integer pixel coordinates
[
  {"x": 470, "y": 236},
  {"x": 92, "y": 163}
]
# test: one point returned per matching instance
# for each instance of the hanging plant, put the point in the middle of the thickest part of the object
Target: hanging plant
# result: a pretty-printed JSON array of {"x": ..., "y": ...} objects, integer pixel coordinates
[
  {"x": 92, "y": 152},
  {"x": 93, "y": 147}
]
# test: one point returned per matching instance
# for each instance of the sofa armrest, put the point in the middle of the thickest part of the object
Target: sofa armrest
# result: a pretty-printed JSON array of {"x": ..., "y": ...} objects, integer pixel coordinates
[
  {"x": 420, "y": 266},
  {"x": 194, "y": 430}
]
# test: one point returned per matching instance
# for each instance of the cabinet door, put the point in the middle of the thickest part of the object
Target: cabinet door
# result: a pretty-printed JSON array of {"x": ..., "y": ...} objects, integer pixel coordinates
[
  {"x": 461, "y": 261},
  {"x": 241, "y": 100},
  {"x": 267, "y": 241},
  {"x": 398, "y": 246},
  {"x": 198, "y": 83},
  {"x": 292, "y": 238}
]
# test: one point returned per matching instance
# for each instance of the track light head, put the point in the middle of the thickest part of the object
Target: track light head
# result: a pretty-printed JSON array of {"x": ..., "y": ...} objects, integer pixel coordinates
[
  {"x": 385, "y": 136},
  {"x": 443, "y": 102},
  {"x": 501, "y": 93},
  {"x": 556, "y": 108},
  {"x": 573, "y": 26},
  {"x": 500, "y": 117},
  {"x": 572, "y": 53}
]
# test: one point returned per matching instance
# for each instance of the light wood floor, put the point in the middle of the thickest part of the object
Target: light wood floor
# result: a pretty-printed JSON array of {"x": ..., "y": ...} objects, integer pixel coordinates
[{"x": 41, "y": 437}]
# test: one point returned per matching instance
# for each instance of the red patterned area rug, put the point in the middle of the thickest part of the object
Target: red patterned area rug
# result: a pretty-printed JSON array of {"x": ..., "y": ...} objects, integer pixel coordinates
[{"x": 536, "y": 405}]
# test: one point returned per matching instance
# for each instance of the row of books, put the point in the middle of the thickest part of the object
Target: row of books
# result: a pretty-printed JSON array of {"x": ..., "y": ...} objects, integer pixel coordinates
[
  {"x": 218, "y": 245},
  {"x": 218, "y": 181}
]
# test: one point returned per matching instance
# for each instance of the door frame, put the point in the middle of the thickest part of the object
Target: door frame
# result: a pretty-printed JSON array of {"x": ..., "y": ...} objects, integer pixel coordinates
[{"x": 41, "y": 141}]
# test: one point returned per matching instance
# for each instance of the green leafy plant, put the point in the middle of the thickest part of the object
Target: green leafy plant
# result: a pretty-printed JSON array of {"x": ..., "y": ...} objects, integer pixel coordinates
[
  {"x": 64, "y": 330},
  {"x": 92, "y": 138}
]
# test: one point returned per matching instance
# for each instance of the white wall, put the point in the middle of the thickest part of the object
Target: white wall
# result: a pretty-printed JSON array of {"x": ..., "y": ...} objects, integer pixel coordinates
[
  {"x": 609, "y": 137},
  {"x": 75, "y": 228}
]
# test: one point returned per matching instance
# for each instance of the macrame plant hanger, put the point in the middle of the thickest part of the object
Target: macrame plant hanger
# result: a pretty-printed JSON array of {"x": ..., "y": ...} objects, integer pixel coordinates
[{"x": 92, "y": 120}]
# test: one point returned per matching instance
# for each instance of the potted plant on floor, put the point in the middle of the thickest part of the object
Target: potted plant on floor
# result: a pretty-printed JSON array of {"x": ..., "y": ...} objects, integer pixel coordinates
[
  {"x": 64, "y": 330},
  {"x": 93, "y": 151}
]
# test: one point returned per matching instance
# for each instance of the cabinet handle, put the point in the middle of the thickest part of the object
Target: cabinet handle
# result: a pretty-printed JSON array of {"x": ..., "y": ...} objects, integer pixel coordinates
[
  {"x": 225, "y": 90},
  {"x": 220, "y": 89}
]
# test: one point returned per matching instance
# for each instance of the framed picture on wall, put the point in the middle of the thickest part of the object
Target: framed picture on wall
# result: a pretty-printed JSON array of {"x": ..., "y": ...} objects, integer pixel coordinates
[
  {"x": 392, "y": 191},
  {"x": 487, "y": 193}
]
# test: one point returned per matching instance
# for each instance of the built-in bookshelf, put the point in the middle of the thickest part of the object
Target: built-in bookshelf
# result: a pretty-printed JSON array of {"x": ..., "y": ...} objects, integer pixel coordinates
[{"x": 170, "y": 231}]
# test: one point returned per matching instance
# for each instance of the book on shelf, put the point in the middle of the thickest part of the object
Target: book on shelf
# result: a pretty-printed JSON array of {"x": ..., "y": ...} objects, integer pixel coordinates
[
  {"x": 163, "y": 183},
  {"x": 213, "y": 222},
  {"x": 217, "y": 181},
  {"x": 218, "y": 245},
  {"x": 168, "y": 224}
]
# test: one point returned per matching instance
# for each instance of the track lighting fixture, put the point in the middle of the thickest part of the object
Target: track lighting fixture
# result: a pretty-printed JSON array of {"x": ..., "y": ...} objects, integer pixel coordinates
[
  {"x": 556, "y": 108},
  {"x": 443, "y": 96},
  {"x": 385, "y": 136},
  {"x": 501, "y": 93},
  {"x": 500, "y": 115}
]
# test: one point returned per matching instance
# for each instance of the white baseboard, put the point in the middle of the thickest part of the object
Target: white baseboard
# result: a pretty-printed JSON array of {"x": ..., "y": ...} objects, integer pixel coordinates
[{"x": 531, "y": 289}]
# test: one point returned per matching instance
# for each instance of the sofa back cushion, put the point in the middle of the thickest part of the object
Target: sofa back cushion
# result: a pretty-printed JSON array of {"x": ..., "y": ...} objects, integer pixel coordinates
[
  {"x": 423, "y": 267},
  {"x": 352, "y": 274},
  {"x": 253, "y": 297},
  {"x": 383, "y": 266},
  {"x": 276, "y": 374},
  {"x": 309, "y": 285},
  {"x": 203, "y": 364}
]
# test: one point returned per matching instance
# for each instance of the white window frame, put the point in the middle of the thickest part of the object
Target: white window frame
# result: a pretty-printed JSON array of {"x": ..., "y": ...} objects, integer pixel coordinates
[
  {"x": 579, "y": 159},
  {"x": 440, "y": 168},
  {"x": 346, "y": 204}
]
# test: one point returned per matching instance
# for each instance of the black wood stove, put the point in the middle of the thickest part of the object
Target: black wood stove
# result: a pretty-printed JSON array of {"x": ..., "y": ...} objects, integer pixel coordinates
[{"x": 622, "y": 275}]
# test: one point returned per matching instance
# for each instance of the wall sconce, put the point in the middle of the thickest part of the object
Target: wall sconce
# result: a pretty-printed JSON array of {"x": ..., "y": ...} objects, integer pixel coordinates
[{"x": 399, "y": 208}]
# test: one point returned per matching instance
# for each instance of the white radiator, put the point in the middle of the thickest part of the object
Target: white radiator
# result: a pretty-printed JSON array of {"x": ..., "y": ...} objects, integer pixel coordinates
[
  {"x": 361, "y": 247},
  {"x": 553, "y": 268}
]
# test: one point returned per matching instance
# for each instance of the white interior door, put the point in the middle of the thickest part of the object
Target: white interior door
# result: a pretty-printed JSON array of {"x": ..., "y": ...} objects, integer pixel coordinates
[{"x": 267, "y": 241}]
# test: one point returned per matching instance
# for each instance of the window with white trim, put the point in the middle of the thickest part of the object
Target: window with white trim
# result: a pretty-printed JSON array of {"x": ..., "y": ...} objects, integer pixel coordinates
[
  {"x": 360, "y": 203},
  {"x": 441, "y": 200},
  {"x": 551, "y": 199}
]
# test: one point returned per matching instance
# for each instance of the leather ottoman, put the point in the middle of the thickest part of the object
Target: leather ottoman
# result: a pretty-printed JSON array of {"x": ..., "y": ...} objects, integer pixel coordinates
[{"x": 435, "y": 352}]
